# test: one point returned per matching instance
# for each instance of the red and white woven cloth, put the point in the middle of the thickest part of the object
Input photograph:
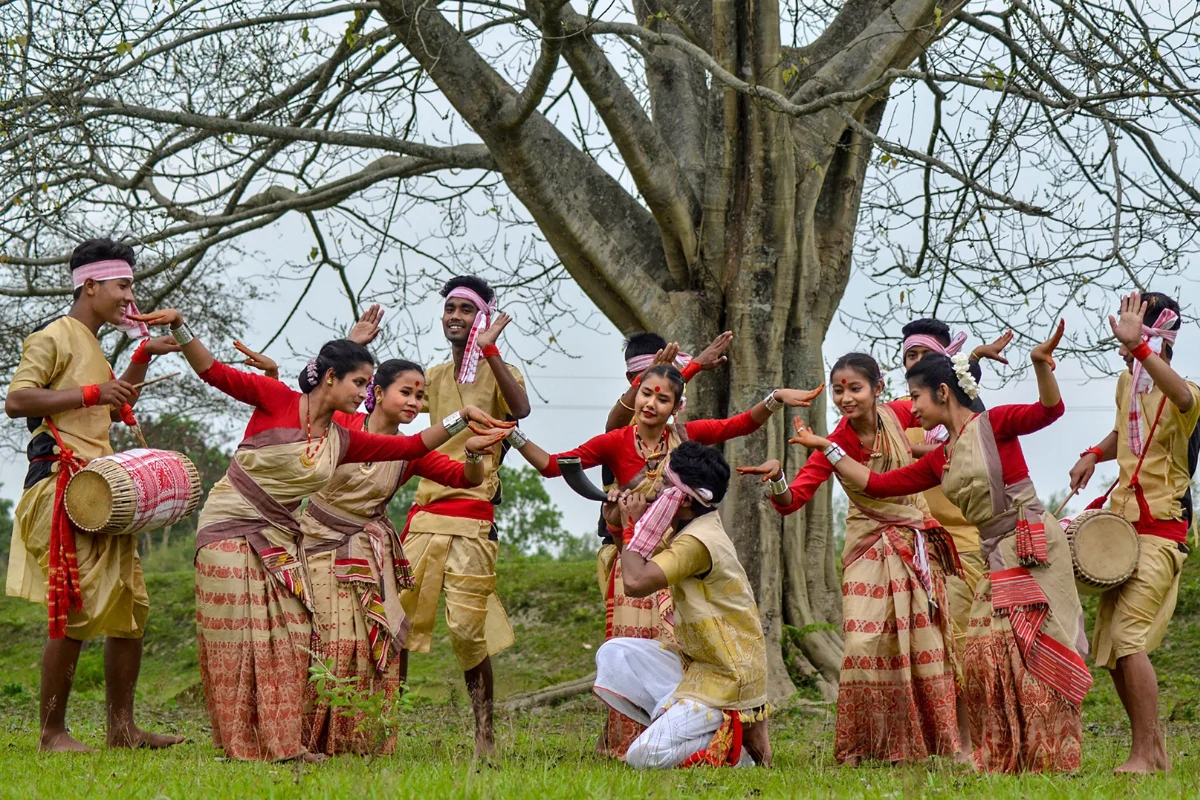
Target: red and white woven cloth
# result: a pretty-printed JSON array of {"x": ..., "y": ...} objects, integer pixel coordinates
[{"x": 161, "y": 483}]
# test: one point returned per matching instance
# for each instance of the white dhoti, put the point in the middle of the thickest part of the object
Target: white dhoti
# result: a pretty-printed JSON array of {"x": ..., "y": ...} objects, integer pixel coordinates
[{"x": 638, "y": 678}]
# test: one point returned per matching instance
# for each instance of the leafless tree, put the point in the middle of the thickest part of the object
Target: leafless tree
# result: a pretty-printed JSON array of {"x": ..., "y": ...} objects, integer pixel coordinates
[{"x": 693, "y": 165}]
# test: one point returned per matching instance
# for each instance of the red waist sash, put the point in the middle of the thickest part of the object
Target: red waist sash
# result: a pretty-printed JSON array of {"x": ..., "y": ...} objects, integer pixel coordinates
[{"x": 463, "y": 507}]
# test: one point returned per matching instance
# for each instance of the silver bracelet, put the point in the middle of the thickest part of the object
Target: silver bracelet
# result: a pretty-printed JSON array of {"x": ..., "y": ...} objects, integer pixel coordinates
[
  {"x": 517, "y": 438},
  {"x": 183, "y": 334},
  {"x": 778, "y": 485},
  {"x": 772, "y": 402},
  {"x": 834, "y": 453},
  {"x": 474, "y": 458},
  {"x": 454, "y": 424}
]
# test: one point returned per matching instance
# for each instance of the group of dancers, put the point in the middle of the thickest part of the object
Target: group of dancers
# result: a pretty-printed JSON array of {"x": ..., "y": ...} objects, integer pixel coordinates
[{"x": 963, "y": 629}]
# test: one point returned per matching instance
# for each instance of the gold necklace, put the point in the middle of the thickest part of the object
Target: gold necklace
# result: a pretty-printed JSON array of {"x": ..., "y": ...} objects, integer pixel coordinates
[{"x": 309, "y": 460}]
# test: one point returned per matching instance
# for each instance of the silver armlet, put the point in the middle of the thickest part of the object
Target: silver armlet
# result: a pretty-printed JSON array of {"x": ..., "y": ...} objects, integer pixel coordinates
[
  {"x": 474, "y": 458},
  {"x": 182, "y": 335},
  {"x": 778, "y": 485},
  {"x": 772, "y": 403},
  {"x": 454, "y": 424},
  {"x": 517, "y": 439},
  {"x": 834, "y": 453}
]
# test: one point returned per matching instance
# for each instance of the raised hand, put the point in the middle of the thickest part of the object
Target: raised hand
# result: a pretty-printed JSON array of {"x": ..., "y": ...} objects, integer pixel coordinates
[
  {"x": 770, "y": 470},
  {"x": 798, "y": 398},
  {"x": 165, "y": 316},
  {"x": 714, "y": 356},
  {"x": 666, "y": 356},
  {"x": 367, "y": 327},
  {"x": 258, "y": 360},
  {"x": 1128, "y": 327},
  {"x": 633, "y": 505},
  {"x": 1044, "y": 352},
  {"x": 492, "y": 334},
  {"x": 807, "y": 437},
  {"x": 477, "y": 418},
  {"x": 992, "y": 351},
  {"x": 161, "y": 345}
]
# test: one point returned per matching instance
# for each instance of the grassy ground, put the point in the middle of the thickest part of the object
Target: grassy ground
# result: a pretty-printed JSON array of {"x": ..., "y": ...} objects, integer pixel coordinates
[{"x": 548, "y": 752}]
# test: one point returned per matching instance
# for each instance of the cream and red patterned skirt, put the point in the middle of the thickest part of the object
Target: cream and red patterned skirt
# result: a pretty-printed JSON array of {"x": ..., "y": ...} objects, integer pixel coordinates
[
  {"x": 896, "y": 699},
  {"x": 343, "y": 634},
  {"x": 254, "y": 640}
]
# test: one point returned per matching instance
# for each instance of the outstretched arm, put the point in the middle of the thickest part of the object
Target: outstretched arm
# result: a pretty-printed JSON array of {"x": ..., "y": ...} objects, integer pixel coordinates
[
  {"x": 1128, "y": 330},
  {"x": 1043, "y": 367},
  {"x": 716, "y": 431},
  {"x": 1082, "y": 472},
  {"x": 197, "y": 355}
]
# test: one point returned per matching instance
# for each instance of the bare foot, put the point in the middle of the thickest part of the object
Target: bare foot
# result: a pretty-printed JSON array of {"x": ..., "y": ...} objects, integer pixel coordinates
[
  {"x": 757, "y": 742},
  {"x": 485, "y": 746},
  {"x": 1137, "y": 766},
  {"x": 851, "y": 761},
  {"x": 61, "y": 742},
  {"x": 313, "y": 758},
  {"x": 964, "y": 757},
  {"x": 133, "y": 739}
]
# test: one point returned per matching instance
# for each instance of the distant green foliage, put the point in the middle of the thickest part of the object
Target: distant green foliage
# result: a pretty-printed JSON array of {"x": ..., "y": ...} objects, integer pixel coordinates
[{"x": 6, "y": 527}]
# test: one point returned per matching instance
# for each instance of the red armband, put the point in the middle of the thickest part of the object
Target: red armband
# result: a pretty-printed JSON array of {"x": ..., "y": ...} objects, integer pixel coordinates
[
  {"x": 140, "y": 356},
  {"x": 490, "y": 350},
  {"x": 627, "y": 534},
  {"x": 614, "y": 530},
  {"x": 1142, "y": 351},
  {"x": 636, "y": 382},
  {"x": 91, "y": 395},
  {"x": 127, "y": 415},
  {"x": 691, "y": 370},
  {"x": 1094, "y": 450}
]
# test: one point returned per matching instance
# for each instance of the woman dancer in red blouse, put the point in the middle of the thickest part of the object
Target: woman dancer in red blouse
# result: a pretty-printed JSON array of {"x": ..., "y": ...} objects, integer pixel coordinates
[
  {"x": 1024, "y": 662},
  {"x": 896, "y": 692},
  {"x": 253, "y": 590}
]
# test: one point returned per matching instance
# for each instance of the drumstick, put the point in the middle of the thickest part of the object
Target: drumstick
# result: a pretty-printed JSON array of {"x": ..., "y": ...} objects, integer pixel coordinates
[
  {"x": 153, "y": 381},
  {"x": 1063, "y": 504}
]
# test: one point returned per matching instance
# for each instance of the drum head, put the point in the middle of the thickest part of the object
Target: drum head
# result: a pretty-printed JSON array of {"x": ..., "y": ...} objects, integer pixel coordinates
[
  {"x": 89, "y": 500},
  {"x": 1106, "y": 548}
]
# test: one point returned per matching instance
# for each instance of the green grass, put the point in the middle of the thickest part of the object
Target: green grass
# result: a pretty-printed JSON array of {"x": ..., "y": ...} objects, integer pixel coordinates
[{"x": 556, "y": 613}]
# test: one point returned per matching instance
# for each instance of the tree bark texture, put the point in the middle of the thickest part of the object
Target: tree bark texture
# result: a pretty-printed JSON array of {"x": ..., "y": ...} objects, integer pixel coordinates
[{"x": 744, "y": 221}]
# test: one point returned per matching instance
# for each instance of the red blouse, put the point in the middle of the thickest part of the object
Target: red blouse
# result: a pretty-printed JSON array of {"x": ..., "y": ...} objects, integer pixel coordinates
[
  {"x": 617, "y": 449},
  {"x": 276, "y": 405},
  {"x": 435, "y": 466},
  {"x": 1008, "y": 423}
]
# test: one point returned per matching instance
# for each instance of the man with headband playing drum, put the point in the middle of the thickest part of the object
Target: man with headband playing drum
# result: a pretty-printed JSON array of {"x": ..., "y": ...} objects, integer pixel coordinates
[
  {"x": 450, "y": 537},
  {"x": 706, "y": 703},
  {"x": 1157, "y": 411},
  {"x": 92, "y": 585}
]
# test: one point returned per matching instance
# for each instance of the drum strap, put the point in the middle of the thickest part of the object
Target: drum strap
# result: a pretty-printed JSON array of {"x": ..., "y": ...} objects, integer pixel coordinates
[
  {"x": 1144, "y": 514},
  {"x": 62, "y": 579}
]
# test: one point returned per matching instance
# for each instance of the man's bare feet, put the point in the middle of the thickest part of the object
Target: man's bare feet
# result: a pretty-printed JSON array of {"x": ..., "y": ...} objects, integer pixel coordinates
[
  {"x": 134, "y": 738},
  {"x": 1141, "y": 765},
  {"x": 61, "y": 742},
  {"x": 964, "y": 757},
  {"x": 313, "y": 758},
  {"x": 485, "y": 745}
]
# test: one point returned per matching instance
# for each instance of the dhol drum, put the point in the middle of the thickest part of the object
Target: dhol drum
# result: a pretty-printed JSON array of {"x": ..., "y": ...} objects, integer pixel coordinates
[
  {"x": 134, "y": 491},
  {"x": 1104, "y": 550}
]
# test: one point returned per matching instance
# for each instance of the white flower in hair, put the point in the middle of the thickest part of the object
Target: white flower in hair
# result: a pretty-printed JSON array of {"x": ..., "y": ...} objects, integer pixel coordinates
[{"x": 962, "y": 368}]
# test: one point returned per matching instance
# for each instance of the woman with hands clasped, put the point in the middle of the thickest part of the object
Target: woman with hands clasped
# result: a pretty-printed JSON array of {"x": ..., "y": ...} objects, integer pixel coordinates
[
  {"x": 896, "y": 694},
  {"x": 254, "y": 593},
  {"x": 1024, "y": 671}
]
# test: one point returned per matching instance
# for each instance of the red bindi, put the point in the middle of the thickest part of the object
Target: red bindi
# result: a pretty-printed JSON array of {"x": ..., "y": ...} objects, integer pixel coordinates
[
  {"x": 656, "y": 388},
  {"x": 844, "y": 381},
  {"x": 418, "y": 383}
]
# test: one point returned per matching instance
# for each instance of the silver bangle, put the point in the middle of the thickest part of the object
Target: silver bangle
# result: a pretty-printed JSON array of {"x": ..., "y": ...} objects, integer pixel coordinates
[
  {"x": 778, "y": 485},
  {"x": 183, "y": 334},
  {"x": 772, "y": 402},
  {"x": 454, "y": 424},
  {"x": 834, "y": 453},
  {"x": 517, "y": 439},
  {"x": 474, "y": 458}
]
